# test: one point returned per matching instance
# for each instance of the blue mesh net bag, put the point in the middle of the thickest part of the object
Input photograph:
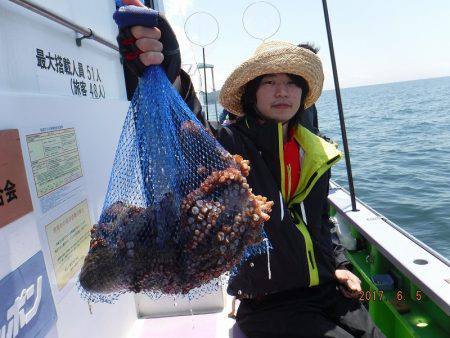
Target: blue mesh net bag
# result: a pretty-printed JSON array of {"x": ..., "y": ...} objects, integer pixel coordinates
[{"x": 178, "y": 212}]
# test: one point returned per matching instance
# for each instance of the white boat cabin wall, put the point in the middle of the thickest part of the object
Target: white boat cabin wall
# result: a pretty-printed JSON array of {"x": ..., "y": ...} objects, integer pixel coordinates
[{"x": 60, "y": 96}]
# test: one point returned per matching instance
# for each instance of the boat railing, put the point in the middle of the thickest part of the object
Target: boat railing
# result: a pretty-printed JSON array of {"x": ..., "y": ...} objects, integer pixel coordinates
[
  {"x": 421, "y": 264},
  {"x": 86, "y": 33},
  {"x": 407, "y": 234}
]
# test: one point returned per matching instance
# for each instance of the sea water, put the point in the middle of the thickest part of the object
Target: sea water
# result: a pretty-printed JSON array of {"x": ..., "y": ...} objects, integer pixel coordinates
[{"x": 399, "y": 141}]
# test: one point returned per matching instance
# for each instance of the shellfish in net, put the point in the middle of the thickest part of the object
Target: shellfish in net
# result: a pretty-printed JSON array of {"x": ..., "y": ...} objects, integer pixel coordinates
[{"x": 203, "y": 237}]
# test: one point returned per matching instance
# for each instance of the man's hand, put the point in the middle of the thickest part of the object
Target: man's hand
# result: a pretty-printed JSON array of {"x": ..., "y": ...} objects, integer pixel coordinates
[
  {"x": 350, "y": 284},
  {"x": 147, "y": 40},
  {"x": 141, "y": 46}
]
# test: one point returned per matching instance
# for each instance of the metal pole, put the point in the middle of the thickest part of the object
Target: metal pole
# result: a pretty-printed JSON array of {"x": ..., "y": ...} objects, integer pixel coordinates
[
  {"x": 38, "y": 9},
  {"x": 206, "y": 89},
  {"x": 214, "y": 89},
  {"x": 341, "y": 111}
]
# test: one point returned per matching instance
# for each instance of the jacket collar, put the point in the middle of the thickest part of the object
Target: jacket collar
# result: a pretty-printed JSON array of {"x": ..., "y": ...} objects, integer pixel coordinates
[
  {"x": 316, "y": 148},
  {"x": 319, "y": 156}
]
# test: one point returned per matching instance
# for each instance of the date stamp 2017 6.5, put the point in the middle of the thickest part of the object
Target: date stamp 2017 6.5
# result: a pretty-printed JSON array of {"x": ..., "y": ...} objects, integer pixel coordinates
[{"x": 400, "y": 295}]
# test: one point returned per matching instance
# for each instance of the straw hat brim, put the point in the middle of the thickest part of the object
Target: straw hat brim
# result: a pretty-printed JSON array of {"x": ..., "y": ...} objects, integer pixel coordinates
[{"x": 271, "y": 58}]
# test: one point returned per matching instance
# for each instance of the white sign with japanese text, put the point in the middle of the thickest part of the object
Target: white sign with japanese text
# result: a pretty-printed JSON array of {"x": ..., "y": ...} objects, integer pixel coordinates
[
  {"x": 68, "y": 75},
  {"x": 55, "y": 164},
  {"x": 64, "y": 217}
]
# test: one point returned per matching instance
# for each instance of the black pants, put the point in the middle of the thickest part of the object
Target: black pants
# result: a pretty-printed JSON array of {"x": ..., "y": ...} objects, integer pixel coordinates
[{"x": 320, "y": 311}]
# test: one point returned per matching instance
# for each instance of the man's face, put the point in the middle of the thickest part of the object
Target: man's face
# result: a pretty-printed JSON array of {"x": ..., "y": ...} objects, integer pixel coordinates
[{"x": 278, "y": 97}]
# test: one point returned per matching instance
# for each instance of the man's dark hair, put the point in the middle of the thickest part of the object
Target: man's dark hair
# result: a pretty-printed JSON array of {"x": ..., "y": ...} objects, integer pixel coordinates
[
  {"x": 248, "y": 98},
  {"x": 310, "y": 46}
]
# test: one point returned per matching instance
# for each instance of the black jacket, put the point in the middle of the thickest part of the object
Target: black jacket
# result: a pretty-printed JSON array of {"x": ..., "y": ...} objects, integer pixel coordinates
[{"x": 303, "y": 254}]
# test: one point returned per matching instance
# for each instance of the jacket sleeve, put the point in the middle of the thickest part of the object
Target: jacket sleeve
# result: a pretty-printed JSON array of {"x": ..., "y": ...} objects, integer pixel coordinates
[
  {"x": 339, "y": 251},
  {"x": 340, "y": 259},
  {"x": 228, "y": 140},
  {"x": 185, "y": 88}
]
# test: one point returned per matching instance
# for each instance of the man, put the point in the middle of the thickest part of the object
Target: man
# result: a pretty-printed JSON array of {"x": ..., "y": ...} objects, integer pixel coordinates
[{"x": 305, "y": 290}]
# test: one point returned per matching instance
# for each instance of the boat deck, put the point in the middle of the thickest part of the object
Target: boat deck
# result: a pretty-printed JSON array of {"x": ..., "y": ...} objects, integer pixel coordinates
[{"x": 211, "y": 325}]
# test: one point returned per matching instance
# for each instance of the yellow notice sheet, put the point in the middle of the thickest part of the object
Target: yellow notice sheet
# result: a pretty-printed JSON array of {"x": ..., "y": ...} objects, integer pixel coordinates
[
  {"x": 68, "y": 238},
  {"x": 55, "y": 160}
]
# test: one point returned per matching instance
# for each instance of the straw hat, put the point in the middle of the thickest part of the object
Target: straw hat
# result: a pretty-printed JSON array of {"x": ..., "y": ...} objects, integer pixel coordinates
[{"x": 269, "y": 58}]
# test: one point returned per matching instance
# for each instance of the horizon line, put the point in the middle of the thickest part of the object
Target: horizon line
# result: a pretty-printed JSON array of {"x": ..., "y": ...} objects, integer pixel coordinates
[
  {"x": 385, "y": 83},
  {"x": 360, "y": 86}
]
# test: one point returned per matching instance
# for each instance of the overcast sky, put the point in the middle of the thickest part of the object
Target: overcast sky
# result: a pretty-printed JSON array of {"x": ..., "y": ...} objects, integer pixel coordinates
[{"x": 375, "y": 41}]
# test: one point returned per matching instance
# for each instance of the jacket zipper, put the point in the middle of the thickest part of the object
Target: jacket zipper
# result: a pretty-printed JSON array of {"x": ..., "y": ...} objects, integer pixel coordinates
[
  {"x": 312, "y": 266},
  {"x": 311, "y": 261},
  {"x": 282, "y": 166},
  {"x": 310, "y": 249},
  {"x": 289, "y": 172}
]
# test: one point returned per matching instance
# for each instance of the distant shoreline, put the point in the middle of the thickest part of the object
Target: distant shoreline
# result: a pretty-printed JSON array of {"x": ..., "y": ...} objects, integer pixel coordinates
[{"x": 388, "y": 83}]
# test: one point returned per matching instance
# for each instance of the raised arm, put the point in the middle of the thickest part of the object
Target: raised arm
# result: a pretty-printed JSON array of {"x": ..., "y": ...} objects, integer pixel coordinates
[{"x": 143, "y": 46}]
